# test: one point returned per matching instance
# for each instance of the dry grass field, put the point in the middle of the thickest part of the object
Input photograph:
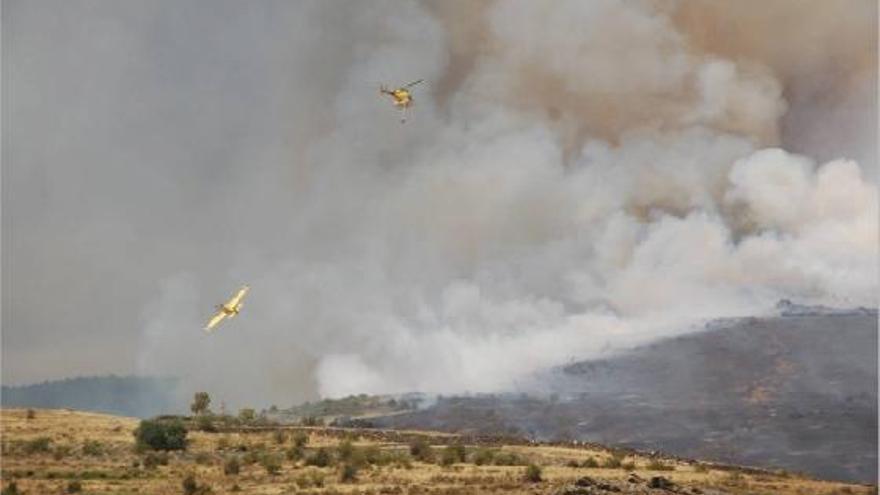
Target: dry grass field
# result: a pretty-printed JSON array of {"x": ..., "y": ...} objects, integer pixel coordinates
[{"x": 62, "y": 451}]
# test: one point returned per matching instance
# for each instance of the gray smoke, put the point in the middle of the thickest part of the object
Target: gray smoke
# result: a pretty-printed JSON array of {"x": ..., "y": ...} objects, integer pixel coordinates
[{"x": 575, "y": 177}]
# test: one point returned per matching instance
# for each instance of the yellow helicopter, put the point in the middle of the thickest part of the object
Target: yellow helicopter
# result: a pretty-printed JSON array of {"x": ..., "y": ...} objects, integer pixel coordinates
[{"x": 402, "y": 96}]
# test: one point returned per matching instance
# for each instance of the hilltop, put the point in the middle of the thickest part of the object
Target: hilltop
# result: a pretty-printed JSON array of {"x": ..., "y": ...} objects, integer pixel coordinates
[
  {"x": 796, "y": 391},
  {"x": 124, "y": 395}
]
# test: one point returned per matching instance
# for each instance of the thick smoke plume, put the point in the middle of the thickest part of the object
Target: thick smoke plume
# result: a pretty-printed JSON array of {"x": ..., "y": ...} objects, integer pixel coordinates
[{"x": 575, "y": 177}]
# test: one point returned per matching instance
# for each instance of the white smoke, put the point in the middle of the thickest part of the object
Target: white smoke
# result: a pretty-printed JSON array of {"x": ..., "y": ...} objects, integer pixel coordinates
[{"x": 590, "y": 180}]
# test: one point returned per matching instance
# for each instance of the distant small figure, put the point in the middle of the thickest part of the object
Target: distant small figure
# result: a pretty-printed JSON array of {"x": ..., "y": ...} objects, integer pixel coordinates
[
  {"x": 31, "y": 414},
  {"x": 402, "y": 97},
  {"x": 227, "y": 310}
]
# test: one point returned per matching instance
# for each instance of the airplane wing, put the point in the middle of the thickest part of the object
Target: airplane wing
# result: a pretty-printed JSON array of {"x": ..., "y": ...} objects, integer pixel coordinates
[
  {"x": 238, "y": 296},
  {"x": 413, "y": 83},
  {"x": 215, "y": 320}
]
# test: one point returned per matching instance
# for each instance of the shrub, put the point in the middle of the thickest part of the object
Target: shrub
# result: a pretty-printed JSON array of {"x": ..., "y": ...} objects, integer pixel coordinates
[
  {"x": 533, "y": 474},
  {"x": 30, "y": 414},
  {"x": 312, "y": 421},
  {"x": 572, "y": 464},
  {"x": 271, "y": 464},
  {"x": 60, "y": 452},
  {"x": 11, "y": 489},
  {"x": 701, "y": 468},
  {"x": 345, "y": 450},
  {"x": 348, "y": 473},
  {"x": 193, "y": 487},
  {"x": 300, "y": 439},
  {"x": 74, "y": 487},
  {"x": 628, "y": 466},
  {"x": 460, "y": 452},
  {"x": 310, "y": 478},
  {"x": 203, "y": 458},
  {"x": 590, "y": 462},
  {"x": 294, "y": 453},
  {"x": 153, "y": 459},
  {"x": 400, "y": 458},
  {"x": 613, "y": 462},
  {"x": 251, "y": 457},
  {"x": 37, "y": 445},
  {"x": 373, "y": 455},
  {"x": 320, "y": 458},
  {"x": 161, "y": 435},
  {"x": 93, "y": 448},
  {"x": 317, "y": 478},
  {"x": 280, "y": 437},
  {"x": 483, "y": 457},
  {"x": 508, "y": 459},
  {"x": 358, "y": 458},
  {"x": 734, "y": 478},
  {"x": 452, "y": 454},
  {"x": 421, "y": 450},
  {"x": 303, "y": 481},
  {"x": 231, "y": 466},
  {"x": 206, "y": 423},
  {"x": 657, "y": 465},
  {"x": 190, "y": 486},
  {"x": 223, "y": 443}
]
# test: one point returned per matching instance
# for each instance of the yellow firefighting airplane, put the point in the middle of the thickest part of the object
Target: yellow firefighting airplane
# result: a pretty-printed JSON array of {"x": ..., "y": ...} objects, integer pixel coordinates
[
  {"x": 228, "y": 309},
  {"x": 402, "y": 97}
]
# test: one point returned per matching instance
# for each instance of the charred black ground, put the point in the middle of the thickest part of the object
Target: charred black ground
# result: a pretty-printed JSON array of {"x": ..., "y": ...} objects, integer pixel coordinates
[{"x": 798, "y": 391}]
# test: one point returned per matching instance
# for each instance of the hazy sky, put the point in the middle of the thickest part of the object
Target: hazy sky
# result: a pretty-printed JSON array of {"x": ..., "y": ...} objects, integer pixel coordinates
[{"x": 568, "y": 173}]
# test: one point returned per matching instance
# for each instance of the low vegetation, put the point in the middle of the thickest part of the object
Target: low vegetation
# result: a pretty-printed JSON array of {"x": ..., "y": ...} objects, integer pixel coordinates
[
  {"x": 60, "y": 452},
  {"x": 231, "y": 466},
  {"x": 533, "y": 474},
  {"x": 348, "y": 473},
  {"x": 421, "y": 450},
  {"x": 657, "y": 465}
]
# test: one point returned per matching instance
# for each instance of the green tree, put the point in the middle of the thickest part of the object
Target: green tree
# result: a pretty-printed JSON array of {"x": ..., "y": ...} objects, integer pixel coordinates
[
  {"x": 247, "y": 415},
  {"x": 201, "y": 401},
  {"x": 161, "y": 435}
]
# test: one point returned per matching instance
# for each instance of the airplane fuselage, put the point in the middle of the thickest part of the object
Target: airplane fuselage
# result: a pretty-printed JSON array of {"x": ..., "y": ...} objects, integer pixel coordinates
[{"x": 230, "y": 311}]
